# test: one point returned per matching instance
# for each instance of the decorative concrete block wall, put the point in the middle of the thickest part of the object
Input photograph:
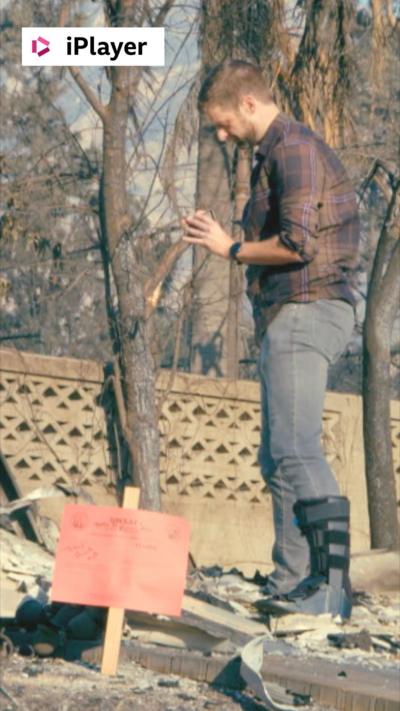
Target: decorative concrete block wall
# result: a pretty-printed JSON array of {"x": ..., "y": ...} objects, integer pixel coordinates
[
  {"x": 211, "y": 431},
  {"x": 53, "y": 428}
]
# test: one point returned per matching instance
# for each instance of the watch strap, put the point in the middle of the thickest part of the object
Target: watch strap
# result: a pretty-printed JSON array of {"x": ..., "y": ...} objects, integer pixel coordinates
[{"x": 233, "y": 251}]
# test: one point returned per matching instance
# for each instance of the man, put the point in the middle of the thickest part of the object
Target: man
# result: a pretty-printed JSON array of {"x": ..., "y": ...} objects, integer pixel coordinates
[{"x": 301, "y": 242}]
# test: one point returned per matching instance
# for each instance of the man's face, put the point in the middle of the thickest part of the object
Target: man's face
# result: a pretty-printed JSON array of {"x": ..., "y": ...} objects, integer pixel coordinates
[{"x": 231, "y": 123}]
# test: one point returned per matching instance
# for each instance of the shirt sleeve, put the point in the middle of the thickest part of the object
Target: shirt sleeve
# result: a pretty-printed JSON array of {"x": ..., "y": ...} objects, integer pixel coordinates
[{"x": 299, "y": 185}]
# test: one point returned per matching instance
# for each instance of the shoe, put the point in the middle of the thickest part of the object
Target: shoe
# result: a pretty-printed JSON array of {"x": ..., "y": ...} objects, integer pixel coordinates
[{"x": 325, "y": 523}]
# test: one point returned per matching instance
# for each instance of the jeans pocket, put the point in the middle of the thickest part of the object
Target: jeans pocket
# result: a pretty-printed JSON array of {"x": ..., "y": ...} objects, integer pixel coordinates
[{"x": 332, "y": 327}]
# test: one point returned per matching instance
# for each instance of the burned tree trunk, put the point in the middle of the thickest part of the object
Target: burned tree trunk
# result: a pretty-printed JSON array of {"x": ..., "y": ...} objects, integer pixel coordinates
[
  {"x": 382, "y": 306},
  {"x": 135, "y": 355},
  {"x": 130, "y": 327},
  {"x": 319, "y": 82},
  {"x": 236, "y": 288},
  {"x": 229, "y": 29},
  {"x": 210, "y": 287}
]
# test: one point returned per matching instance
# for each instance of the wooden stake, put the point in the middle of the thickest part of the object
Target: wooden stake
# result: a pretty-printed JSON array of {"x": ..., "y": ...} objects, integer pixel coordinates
[{"x": 115, "y": 617}]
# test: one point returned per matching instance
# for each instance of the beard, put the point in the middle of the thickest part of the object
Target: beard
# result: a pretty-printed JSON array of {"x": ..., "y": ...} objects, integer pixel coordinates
[{"x": 249, "y": 135}]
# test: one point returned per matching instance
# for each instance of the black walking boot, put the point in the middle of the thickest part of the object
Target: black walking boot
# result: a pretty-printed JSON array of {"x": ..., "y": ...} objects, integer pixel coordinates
[{"x": 325, "y": 523}]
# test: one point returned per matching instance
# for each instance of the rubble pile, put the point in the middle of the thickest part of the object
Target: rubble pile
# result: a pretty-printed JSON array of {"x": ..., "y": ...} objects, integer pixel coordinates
[
  {"x": 372, "y": 634},
  {"x": 220, "y": 620}
]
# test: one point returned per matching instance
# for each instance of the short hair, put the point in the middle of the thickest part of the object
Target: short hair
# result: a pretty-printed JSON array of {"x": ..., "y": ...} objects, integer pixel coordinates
[{"x": 226, "y": 83}]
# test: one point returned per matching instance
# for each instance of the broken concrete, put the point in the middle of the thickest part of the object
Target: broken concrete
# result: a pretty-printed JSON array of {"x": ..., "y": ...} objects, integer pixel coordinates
[{"x": 376, "y": 571}]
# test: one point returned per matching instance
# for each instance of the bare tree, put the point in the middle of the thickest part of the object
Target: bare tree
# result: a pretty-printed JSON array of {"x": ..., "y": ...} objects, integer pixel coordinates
[
  {"x": 122, "y": 249},
  {"x": 320, "y": 82},
  {"x": 238, "y": 30},
  {"x": 384, "y": 23},
  {"x": 207, "y": 329},
  {"x": 108, "y": 194},
  {"x": 48, "y": 240},
  {"x": 382, "y": 307}
]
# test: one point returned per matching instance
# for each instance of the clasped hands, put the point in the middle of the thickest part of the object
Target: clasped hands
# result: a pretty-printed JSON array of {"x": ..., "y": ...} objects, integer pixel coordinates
[{"x": 201, "y": 229}]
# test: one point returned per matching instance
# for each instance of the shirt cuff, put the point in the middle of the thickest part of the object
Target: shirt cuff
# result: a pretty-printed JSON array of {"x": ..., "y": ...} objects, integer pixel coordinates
[{"x": 306, "y": 251}]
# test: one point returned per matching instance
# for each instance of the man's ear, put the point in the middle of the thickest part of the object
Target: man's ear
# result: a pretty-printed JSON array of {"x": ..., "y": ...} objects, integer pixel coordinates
[{"x": 248, "y": 103}]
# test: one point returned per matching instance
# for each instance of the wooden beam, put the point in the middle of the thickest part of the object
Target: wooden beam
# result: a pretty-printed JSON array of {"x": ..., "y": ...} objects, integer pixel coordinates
[{"x": 115, "y": 617}]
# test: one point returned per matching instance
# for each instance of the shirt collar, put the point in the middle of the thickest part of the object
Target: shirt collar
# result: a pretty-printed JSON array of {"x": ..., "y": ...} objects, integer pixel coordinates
[{"x": 271, "y": 136}]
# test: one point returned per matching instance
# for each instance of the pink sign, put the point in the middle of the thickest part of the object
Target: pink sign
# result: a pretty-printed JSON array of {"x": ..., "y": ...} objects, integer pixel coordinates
[{"x": 116, "y": 557}]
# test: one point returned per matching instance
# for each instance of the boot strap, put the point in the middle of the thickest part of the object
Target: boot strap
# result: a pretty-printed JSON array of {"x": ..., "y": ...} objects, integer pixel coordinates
[
  {"x": 341, "y": 538},
  {"x": 313, "y": 511},
  {"x": 338, "y": 561},
  {"x": 326, "y": 536}
]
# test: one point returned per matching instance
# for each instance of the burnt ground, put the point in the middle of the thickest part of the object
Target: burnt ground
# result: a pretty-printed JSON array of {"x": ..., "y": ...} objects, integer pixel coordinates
[{"x": 34, "y": 684}]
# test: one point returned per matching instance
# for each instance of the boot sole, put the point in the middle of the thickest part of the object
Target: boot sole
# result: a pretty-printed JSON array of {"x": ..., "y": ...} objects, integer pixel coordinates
[{"x": 323, "y": 601}]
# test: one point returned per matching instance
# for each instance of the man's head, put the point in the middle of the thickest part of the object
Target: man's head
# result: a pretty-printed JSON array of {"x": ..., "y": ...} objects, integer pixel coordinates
[{"x": 236, "y": 99}]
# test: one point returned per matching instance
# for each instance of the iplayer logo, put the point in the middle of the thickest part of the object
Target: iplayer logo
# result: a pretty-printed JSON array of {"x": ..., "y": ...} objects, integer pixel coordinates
[
  {"x": 93, "y": 46},
  {"x": 42, "y": 51}
]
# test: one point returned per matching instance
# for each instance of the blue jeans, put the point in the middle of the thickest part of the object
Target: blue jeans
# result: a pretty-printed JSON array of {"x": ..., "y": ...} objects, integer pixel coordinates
[{"x": 296, "y": 351}]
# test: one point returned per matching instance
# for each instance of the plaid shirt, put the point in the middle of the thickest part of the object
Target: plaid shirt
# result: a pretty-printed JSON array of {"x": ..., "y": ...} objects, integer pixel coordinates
[{"x": 300, "y": 192}]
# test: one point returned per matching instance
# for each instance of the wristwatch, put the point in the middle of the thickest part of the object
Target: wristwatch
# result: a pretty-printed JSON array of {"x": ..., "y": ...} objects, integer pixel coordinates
[{"x": 233, "y": 251}]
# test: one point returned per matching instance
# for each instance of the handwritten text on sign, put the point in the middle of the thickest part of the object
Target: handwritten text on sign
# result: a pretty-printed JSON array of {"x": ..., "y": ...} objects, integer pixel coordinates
[{"x": 125, "y": 558}]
